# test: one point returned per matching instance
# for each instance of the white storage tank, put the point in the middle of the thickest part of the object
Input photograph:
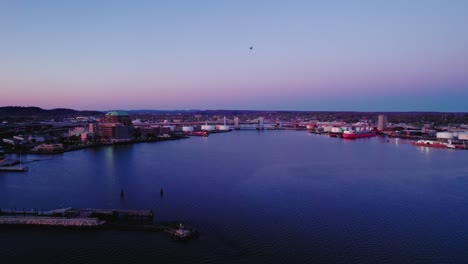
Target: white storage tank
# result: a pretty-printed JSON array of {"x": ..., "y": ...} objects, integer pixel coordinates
[
  {"x": 208, "y": 127},
  {"x": 223, "y": 127},
  {"x": 171, "y": 128},
  {"x": 187, "y": 129},
  {"x": 444, "y": 135},
  {"x": 463, "y": 136},
  {"x": 327, "y": 128}
]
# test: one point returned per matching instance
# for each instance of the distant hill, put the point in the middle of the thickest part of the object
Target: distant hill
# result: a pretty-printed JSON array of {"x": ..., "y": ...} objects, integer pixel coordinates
[
  {"x": 207, "y": 112},
  {"x": 32, "y": 111}
]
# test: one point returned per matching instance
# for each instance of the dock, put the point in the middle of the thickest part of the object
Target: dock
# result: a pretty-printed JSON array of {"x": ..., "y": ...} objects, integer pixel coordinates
[
  {"x": 75, "y": 217},
  {"x": 89, "y": 218},
  {"x": 14, "y": 169},
  {"x": 50, "y": 221},
  {"x": 71, "y": 212},
  {"x": 7, "y": 165},
  {"x": 4, "y": 163}
]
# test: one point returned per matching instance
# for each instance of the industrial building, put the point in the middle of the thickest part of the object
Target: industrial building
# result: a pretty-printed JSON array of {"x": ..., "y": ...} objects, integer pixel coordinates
[{"x": 154, "y": 131}]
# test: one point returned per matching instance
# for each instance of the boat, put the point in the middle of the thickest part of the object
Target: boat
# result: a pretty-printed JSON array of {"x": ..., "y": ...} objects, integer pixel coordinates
[
  {"x": 196, "y": 133},
  {"x": 438, "y": 144},
  {"x": 352, "y": 134},
  {"x": 430, "y": 143},
  {"x": 335, "y": 132},
  {"x": 182, "y": 233}
]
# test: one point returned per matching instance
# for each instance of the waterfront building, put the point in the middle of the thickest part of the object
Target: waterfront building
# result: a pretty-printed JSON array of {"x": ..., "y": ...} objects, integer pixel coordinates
[
  {"x": 85, "y": 136},
  {"x": 118, "y": 117},
  {"x": 382, "y": 123},
  {"x": 154, "y": 131},
  {"x": 116, "y": 125},
  {"x": 49, "y": 147},
  {"x": 36, "y": 138},
  {"x": 76, "y": 131},
  {"x": 260, "y": 123},
  {"x": 92, "y": 127},
  {"x": 115, "y": 131}
]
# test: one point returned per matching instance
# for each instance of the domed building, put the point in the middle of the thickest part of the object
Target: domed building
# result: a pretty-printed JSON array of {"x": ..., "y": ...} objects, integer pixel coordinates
[{"x": 118, "y": 117}]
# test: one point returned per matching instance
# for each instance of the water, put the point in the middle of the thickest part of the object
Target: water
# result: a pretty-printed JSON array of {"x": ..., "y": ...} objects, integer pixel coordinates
[{"x": 255, "y": 197}]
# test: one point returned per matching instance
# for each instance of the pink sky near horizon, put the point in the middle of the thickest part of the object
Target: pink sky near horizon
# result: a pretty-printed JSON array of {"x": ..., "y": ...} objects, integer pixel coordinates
[
  {"x": 231, "y": 90},
  {"x": 305, "y": 56}
]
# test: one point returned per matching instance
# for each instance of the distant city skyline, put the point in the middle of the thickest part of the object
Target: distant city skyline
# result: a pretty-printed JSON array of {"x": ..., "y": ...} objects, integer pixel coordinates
[{"x": 247, "y": 55}]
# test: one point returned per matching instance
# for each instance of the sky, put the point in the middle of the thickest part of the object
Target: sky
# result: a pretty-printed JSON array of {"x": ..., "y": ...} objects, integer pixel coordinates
[{"x": 330, "y": 55}]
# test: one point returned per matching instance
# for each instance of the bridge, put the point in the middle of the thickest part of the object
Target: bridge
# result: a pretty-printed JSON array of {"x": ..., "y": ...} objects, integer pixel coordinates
[{"x": 241, "y": 125}]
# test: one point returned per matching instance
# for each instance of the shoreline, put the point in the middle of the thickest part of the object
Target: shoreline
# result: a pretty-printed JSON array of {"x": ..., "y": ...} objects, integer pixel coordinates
[{"x": 96, "y": 145}]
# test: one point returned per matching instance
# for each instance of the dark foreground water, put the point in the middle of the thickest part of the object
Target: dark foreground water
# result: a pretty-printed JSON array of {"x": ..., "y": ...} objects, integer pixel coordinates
[{"x": 256, "y": 197}]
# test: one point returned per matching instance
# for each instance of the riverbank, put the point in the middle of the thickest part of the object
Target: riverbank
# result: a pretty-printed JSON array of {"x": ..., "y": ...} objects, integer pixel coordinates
[{"x": 94, "y": 145}]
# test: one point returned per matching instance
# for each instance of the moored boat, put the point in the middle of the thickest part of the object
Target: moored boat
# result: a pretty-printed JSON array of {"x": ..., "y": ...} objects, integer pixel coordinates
[
  {"x": 202, "y": 133},
  {"x": 439, "y": 144},
  {"x": 430, "y": 143},
  {"x": 352, "y": 134},
  {"x": 335, "y": 132}
]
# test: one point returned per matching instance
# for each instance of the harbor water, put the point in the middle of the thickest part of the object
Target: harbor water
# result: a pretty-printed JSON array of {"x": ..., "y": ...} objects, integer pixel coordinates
[{"x": 255, "y": 197}]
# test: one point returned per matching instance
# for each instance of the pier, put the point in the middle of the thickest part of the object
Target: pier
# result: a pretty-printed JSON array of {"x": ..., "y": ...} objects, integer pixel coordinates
[
  {"x": 14, "y": 169},
  {"x": 5, "y": 163},
  {"x": 81, "y": 213},
  {"x": 89, "y": 218},
  {"x": 75, "y": 217}
]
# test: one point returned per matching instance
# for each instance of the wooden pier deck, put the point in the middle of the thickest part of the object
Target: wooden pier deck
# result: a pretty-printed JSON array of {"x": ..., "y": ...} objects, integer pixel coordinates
[
  {"x": 14, "y": 169},
  {"x": 51, "y": 221},
  {"x": 75, "y": 217},
  {"x": 90, "y": 218},
  {"x": 4, "y": 163}
]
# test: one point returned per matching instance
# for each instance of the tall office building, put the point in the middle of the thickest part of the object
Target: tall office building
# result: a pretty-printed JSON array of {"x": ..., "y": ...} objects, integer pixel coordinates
[
  {"x": 117, "y": 125},
  {"x": 382, "y": 123},
  {"x": 260, "y": 123}
]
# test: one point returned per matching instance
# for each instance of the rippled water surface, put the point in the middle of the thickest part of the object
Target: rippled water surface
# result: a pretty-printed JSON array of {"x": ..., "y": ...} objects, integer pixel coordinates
[{"x": 256, "y": 197}]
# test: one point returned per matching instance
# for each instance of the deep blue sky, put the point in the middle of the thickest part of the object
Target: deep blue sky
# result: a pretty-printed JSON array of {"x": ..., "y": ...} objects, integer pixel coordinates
[{"x": 307, "y": 55}]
